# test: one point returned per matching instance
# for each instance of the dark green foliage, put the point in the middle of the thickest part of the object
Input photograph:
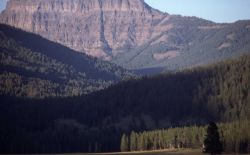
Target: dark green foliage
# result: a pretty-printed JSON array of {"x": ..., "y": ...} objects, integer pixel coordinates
[
  {"x": 235, "y": 137},
  {"x": 96, "y": 122},
  {"x": 218, "y": 92},
  {"x": 124, "y": 143},
  {"x": 185, "y": 137},
  {"x": 212, "y": 143},
  {"x": 133, "y": 141},
  {"x": 35, "y": 67}
]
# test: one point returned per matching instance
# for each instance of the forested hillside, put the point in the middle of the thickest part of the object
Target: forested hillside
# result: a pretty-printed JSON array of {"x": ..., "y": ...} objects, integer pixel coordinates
[
  {"x": 217, "y": 92},
  {"x": 96, "y": 122},
  {"x": 35, "y": 67}
]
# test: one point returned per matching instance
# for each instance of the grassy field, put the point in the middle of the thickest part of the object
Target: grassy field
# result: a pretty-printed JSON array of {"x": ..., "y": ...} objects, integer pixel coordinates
[{"x": 160, "y": 152}]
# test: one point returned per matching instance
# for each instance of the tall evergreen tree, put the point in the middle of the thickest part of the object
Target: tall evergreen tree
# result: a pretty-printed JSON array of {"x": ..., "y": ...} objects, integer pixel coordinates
[
  {"x": 142, "y": 142},
  {"x": 212, "y": 143},
  {"x": 124, "y": 143},
  {"x": 133, "y": 141}
]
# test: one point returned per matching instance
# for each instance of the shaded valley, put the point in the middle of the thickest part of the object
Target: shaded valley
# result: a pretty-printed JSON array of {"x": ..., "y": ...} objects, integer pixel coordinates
[
  {"x": 96, "y": 122},
  {"x": 118, "y": 75}
]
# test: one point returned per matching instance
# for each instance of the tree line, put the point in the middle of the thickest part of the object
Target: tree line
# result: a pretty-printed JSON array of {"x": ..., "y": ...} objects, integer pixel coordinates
[
  {"x": 95, "y": 122},
  {"x": 234, "y": 136}
]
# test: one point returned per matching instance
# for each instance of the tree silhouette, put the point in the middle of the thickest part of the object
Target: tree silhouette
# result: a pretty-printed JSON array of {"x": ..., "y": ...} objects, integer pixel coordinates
[{"x": 212, "y": 143}]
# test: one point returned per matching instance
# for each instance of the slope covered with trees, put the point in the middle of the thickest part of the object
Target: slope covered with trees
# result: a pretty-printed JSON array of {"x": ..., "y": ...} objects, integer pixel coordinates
[
  {"x": 35, "y": 67},
  {"x": 96, "y": 122},
  {"x": 217, "y": 92}
]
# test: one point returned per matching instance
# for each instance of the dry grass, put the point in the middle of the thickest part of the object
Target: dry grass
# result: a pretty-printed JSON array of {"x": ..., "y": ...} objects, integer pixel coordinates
[{"x": 159, "y": 152}]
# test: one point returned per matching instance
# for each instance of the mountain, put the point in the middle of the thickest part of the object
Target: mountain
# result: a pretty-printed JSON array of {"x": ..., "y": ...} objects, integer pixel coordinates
[
  {"x": 189, "y": 44},
  {"x": 129, "y": 32},
  {"x": 95, "y": 122},
  {"x": 32, "y": 66},
  {"x": 96, "y": 27}
]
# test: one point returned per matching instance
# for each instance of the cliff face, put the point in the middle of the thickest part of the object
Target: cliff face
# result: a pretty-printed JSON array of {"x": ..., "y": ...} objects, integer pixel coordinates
[
  {"x": 129, "y": 32},
  {"x": 96, "y": 27}
]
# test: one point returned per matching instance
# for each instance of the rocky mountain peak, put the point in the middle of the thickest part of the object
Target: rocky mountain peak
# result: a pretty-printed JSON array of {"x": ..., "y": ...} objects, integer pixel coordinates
[
  {"x": 129, "y": 32},
  {"x": 96, "y": 27},
  {"x": 76, "y": 5}
]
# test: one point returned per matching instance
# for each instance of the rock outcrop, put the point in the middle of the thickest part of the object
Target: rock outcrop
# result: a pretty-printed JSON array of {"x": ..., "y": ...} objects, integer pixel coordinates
[
  {"x": 98, "y": 28},
  {"x": 129, "y": 32}
]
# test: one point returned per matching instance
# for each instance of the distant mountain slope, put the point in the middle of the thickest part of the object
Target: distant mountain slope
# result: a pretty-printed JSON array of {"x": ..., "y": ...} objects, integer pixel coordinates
[
  {"x": 189, "y": 45},
  {"x": 35, "y": 67},
  {"x": 96, "y": 121},
  {"x": 129, "y": 32}
]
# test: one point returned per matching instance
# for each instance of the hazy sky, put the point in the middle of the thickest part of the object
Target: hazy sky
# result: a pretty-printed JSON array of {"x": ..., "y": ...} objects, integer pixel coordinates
[
  {"x": 2, "y": 4},
  {"x": 215, "y": 10}
]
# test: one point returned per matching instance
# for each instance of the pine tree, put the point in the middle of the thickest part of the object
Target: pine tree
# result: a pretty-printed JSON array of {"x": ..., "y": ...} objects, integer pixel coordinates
[
  {"x": 142, "y": 142},
  {"x": 124, "y": 143},
  {"x": 133, "y": 141},
  {"x": 212, "y": 143}
]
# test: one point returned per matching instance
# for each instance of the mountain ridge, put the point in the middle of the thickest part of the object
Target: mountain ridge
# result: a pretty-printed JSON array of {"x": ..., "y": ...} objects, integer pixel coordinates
[
  {"x": 130, "y": 33},
  {"x": 32, "y": 66},
  {"x": 93, "y": 12}
]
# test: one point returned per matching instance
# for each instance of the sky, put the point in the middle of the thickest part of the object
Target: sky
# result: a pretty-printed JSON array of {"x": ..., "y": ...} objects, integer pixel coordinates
[
  {"x": 215, "y": 10},
  {"x": 222, "y": 11},
  {"x": 2, "y": 4}
]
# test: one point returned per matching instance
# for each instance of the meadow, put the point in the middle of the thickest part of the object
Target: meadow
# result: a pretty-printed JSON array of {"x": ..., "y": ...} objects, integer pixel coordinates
[{"x": 159, "y": 152}]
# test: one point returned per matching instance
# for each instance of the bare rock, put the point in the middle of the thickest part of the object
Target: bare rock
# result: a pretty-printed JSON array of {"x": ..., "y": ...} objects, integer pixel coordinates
[{"x": 95, "y": 27}]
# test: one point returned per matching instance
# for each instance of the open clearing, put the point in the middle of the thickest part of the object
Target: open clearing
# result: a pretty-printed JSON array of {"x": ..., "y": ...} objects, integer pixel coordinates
[{"x": 160, "y": 152}]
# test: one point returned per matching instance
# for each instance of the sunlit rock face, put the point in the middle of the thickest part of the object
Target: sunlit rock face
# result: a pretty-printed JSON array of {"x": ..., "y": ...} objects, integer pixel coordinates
[
  {"x": 129, "y": 33},
  {"x": 96, "y": 27}
]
